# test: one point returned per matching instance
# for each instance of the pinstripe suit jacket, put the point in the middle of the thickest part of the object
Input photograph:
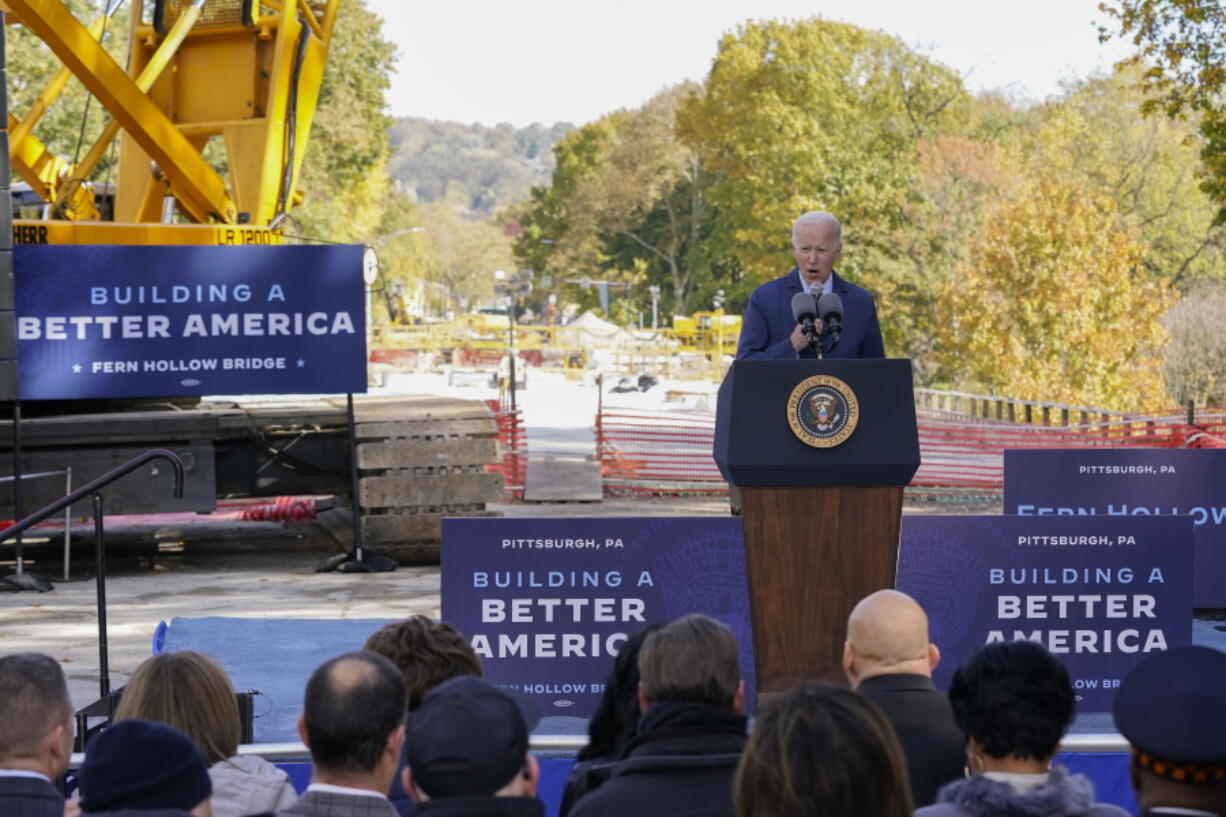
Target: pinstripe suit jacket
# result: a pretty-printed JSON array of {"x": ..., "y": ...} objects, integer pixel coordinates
[
  {"x": 330, "y": 804},
  {"x": 28, "y": 797}
]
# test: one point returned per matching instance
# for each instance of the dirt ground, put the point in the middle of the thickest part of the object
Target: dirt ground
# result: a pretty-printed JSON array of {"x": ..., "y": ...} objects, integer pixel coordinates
[{"x": 195, "y": 567}]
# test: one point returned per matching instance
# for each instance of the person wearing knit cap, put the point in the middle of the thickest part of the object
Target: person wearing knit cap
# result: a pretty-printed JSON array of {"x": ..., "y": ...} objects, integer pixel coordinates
[
  {"x": 1170, "y": 709},
  {"x": 466, "y": 753},
  {"x": 139, "y": 768}
]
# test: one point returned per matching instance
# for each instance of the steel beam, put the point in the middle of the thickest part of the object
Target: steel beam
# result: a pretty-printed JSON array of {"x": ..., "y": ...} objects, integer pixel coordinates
[{"x": 200, "y": 190}]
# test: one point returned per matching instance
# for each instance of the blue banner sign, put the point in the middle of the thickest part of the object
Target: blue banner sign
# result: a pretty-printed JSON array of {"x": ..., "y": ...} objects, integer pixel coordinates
[
  {"x": 1100, "y": 593},
  {"x": 119, "y": 321},
  {"x": 1132, "y": 482},
  {"x": 547, "y": 603}
]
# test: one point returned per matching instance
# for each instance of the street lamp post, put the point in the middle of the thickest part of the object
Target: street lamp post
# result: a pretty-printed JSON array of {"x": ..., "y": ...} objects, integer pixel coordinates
[
  {"x": 370, "y": 264},
  {"x": 655, "y": 301},
  {"x": 514, "y": 287}
]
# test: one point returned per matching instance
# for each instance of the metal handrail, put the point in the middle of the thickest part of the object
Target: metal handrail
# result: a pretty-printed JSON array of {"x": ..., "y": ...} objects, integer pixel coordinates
[
  {"x": 96, "y": 484},
  {"x": 1108, "y": 742},
  {"x": 93, "y": 489}
]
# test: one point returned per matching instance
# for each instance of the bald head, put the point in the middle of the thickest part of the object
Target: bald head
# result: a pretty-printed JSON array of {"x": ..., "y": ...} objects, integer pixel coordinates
[
  {"x": 353, "y": 704},
  {"x": 887, "y": 634}
]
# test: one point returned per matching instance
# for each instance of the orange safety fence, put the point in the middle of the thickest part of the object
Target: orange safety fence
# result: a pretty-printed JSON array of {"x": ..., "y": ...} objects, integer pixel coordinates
[
  {"x": 512, "y": 447},
  {"x": 669, "y": 453},
  {"x": 660, "y": 453}
]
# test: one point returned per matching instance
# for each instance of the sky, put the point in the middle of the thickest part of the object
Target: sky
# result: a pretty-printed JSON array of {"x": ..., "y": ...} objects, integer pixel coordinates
[{"x": 574, "y": 61}]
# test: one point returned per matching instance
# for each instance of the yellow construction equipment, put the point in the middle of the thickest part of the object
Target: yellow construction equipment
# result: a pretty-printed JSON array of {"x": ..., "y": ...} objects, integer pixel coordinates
[{"x": 245, "y": 71}]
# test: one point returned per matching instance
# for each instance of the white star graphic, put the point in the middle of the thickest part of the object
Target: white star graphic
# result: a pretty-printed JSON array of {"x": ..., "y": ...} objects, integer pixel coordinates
[
  {"x": 76, "y": 368},
  {"x": 301, "y": 363}
]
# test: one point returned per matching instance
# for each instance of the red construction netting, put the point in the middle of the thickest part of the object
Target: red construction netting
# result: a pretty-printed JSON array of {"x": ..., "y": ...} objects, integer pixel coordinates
[
  {"x": 670, "y": 452},
  {"x": 513, "y": 447},
  {"x": 659, "y": 453}
]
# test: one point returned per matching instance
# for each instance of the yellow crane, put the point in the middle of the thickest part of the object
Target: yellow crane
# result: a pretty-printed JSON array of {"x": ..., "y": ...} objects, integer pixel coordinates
[{"x": 245, "y": 71}]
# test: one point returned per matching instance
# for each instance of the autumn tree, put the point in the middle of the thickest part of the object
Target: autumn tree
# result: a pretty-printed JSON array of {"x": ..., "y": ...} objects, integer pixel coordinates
[
  {"x": 1093, "y": 136},
  {"x": 1050, "y": 305},
  {"x": 344, "y": 174},
  {"x": 461, "y": 253},
  {"x": 628, "y": 200},
  {"x": 1181, "y": 45},
  {"x": 1195, "y": 367},
  {"x": 817, "y": 115},
  {"x": 546, "y": 242},
  {"x": 74, "y": 120},
  {"x": 957, "y": 181}
]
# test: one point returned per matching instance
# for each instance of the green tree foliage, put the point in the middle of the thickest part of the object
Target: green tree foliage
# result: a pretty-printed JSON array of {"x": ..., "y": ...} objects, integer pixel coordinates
[
  {"x": 1195, "y": 367},
  {"x": 1182, "y": 47},
  {"x": 628, "y": 201},
  {"x": 1049, "y": 305},
  {"x": 957, "y": 179},
  {"x": 490, "y": 167},
  {"x": 818, "y": 115},
  {"x": 545, "y": 242},
  {"x": 344, "y": 175},
  {"x": 462, "y": 254},
  {"x": 74, "y": 120},
  {"x": 1147, "y": 165},
  {"x": 811, "y": 114}
]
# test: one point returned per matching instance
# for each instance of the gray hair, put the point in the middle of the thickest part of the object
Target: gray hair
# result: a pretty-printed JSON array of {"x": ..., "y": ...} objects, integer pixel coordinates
[{"x": 820, "y": 217}]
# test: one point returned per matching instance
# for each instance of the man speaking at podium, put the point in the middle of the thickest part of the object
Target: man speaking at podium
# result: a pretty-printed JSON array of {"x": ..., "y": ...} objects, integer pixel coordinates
[{"x": 772, "y": 330}]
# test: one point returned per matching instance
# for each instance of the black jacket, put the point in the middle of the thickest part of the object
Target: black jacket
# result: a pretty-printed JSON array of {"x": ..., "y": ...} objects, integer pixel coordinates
[
  {"x": 680, "y": 763},
  {"x": 29, "y": 797},
  {"x": 920, "y": 714},
  {"x": 481, "y": 807}
]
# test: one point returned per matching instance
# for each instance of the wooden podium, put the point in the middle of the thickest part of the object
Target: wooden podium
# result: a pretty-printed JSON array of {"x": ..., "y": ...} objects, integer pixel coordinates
[{"x": 821, "y": 517}]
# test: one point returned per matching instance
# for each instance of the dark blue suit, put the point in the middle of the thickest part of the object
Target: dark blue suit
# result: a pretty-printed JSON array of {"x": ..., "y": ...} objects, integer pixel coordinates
[
  {"x": 29, "y": 797},
  {"x": 767, "y": 329}
]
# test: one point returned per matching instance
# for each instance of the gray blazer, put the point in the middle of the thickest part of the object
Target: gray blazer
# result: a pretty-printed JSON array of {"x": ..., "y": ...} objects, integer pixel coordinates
[{"x": 329, "y": 804}]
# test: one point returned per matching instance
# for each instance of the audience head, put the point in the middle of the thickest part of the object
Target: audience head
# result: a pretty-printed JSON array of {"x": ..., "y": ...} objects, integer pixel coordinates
[
  {"x": 192, "y": 693},
  {"x": 143, "y": 765},
  {"x": 887, "y": 634},
  {"x": 1012, "y": 700},
  {"x": 427, "y": 652},
  {"x": 470, "y": 739},
  {"x": 35, "y": 715},
  {"x": 353, "y": 720},
  {"x": 693, "y": 659},
  {"x": 1170, "y": 709},
  {"x": 612, "y": 726},
  {"x": 819, "y": 750}
]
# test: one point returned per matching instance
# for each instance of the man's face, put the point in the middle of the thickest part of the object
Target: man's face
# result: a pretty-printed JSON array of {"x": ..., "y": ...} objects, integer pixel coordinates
[{"x": 816, "y": 251}]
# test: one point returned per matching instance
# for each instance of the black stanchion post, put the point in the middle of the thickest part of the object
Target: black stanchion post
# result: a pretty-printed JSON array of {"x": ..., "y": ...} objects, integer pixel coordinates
[
  {"x": 104, "y": 671},
  {"x": 21, "y": 567},
  {"x": 22, "y": 579},
  {"x": 353, "y": 479}
]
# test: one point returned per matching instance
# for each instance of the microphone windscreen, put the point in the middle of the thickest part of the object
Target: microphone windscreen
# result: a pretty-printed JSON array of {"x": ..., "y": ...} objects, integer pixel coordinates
[
  {"x": 830, "y": 306},
  {"x": 803, "y": 306}
]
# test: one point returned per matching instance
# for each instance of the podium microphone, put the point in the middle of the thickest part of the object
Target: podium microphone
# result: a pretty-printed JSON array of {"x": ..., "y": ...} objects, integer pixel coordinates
[
  {"x": 830, "y": 310},
  {"x": 804, "y": 310}
]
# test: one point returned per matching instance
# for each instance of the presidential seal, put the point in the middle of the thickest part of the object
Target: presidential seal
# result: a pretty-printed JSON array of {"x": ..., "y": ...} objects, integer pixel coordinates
[{"x": 823, "y": 411}]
